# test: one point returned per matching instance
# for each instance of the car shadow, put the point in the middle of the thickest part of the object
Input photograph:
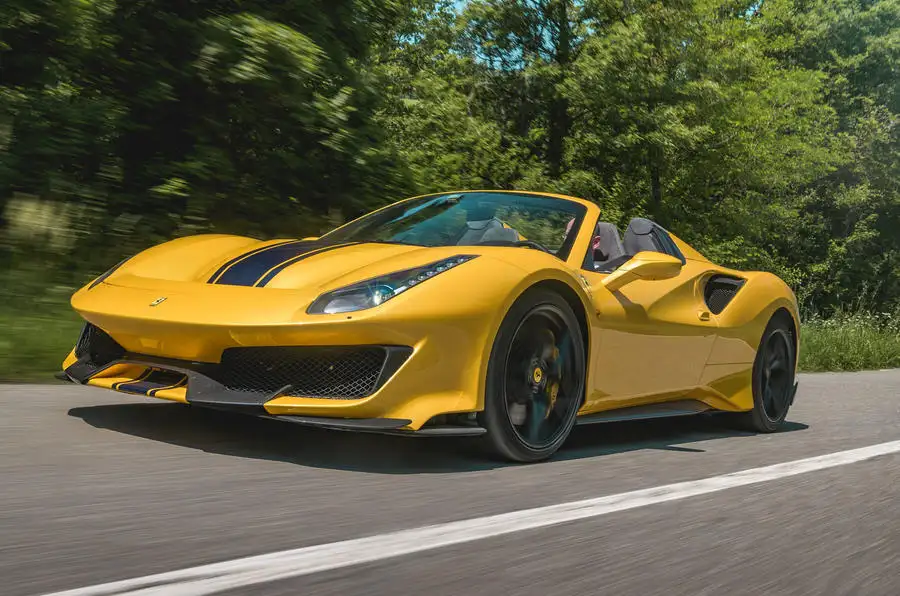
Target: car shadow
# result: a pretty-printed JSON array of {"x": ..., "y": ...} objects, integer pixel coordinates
[{"x": 238, "y": 435}]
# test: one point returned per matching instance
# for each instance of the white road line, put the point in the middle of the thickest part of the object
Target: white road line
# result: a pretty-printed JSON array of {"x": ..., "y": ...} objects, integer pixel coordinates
[{"x": 249, "y": 571}]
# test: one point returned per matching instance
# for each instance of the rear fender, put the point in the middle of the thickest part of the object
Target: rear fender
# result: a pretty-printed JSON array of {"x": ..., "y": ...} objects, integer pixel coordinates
[{"x": 746, "y": 317}]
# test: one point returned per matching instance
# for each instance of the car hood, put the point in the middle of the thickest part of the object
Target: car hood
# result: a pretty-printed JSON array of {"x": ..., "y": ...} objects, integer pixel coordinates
[
  {"x": 275, "y": 264},
  {"x": 191, "y": 298}
]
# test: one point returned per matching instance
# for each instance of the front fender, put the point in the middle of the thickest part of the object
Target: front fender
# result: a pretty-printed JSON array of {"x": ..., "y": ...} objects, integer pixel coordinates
[{"x": 549, "y": 273}]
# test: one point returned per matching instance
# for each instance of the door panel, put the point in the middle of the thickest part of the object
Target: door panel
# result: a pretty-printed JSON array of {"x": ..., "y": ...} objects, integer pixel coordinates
[{"x": 655, "y": 341}]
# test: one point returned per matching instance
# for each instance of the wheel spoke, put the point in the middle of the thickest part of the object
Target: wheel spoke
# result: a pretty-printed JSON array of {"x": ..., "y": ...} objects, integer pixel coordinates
[
  {"x": 536, "y": 415},
  {"x": 541, "y": 378},
  {"x": 775, "y": 376},
  {"x": 782, "y": 401}
]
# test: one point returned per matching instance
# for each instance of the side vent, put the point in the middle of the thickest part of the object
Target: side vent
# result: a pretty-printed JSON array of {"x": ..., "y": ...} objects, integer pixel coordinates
[{"x": 719, "y": 291}]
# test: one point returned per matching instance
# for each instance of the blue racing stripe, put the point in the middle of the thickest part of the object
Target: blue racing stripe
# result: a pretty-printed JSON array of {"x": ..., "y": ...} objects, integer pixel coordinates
[
  {"x": 153, "y": 392},
  {"x": 157, "y": 379},
  {"x": 250, "y": 269},
  {"x": 223, "y": 268},
  {"x": 143, "y": 375},
  {"x": 278, "y": 269}
]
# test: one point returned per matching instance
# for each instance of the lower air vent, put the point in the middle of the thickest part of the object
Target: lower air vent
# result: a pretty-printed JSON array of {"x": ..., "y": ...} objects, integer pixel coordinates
[
  {"x": 325, "y": 372},
  {"x": 719, "y": 291}
]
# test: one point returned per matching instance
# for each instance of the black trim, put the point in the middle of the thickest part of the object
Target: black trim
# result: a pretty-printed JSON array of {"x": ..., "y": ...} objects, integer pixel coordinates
[
  {"x": 109, "y": 272},
  {"x": 450, "y": 431},
  {"x": 382, "y": 426},
  {"x": 396, "y": 356},
  {"x": 687, "y": 407},
  {"x": 358, "y": 424}
]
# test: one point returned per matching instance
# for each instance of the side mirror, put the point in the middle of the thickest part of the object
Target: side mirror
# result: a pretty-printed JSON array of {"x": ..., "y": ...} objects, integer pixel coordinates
[{"x": 647, "y": 265}]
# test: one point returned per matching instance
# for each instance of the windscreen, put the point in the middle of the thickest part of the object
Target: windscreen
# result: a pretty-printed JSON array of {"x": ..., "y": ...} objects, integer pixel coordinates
[{"x": 472, "y": 219}]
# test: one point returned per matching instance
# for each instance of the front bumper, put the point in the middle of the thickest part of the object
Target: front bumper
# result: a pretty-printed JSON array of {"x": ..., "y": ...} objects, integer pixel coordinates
[
  {"x": 397, "y": 402},
  {"x": 216, "y": 396}
]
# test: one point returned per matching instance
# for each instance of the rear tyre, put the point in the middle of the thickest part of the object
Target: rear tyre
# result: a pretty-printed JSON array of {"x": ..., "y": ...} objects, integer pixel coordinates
[
  {"x": 773, "y": 378},
  {"x": 535, "y": 378}
]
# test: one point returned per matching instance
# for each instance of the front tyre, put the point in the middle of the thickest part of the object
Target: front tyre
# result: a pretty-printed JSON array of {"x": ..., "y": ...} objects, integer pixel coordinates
[
  {"x": 535, "y": 378},
  {"x": 773, "y": 378}
]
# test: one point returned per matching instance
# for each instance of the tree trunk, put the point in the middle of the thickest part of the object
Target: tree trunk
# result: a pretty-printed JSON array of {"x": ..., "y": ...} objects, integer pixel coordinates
[
  {"x": 655, "y": 158},
  {"x": 558, "y": 115}
]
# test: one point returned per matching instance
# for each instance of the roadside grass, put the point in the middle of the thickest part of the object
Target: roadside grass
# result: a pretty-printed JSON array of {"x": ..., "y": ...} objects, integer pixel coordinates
[
  {"x": 37, "y": 325},
  {"x": 36, "y": 334},
  {"x": 845, "y": 342},
  {"x": 34, "y": 344}
]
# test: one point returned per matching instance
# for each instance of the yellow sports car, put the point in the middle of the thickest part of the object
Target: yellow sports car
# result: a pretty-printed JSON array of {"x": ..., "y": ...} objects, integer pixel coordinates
[{"x": 513, "y": 315}]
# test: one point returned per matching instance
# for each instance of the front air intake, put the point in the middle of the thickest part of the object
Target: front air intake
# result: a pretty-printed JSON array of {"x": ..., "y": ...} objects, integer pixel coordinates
[{"x": 310, "y": 371}]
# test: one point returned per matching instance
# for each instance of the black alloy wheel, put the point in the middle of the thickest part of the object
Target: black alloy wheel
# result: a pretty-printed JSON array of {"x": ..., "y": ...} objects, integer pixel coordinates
[
  {"x": 535, "y": 378},
  {"x": 776, "y": 375},
  {"x": 773, "y": 377}
]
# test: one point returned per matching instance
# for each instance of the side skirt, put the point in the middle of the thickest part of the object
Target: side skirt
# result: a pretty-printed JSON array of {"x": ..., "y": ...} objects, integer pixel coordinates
[
  {"x": 381, "y": 426},
  {"x": 687, "y": 407}
]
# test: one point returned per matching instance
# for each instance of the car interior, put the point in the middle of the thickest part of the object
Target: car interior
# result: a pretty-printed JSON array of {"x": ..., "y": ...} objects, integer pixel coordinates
[
  {"x": 610, "y": 250},
  {"x": 486, "y": 230}
]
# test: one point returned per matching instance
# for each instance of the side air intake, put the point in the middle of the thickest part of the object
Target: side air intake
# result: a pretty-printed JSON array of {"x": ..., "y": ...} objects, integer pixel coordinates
[
  {"x": 720, "y": 290},
  {"x": 96, "y": 347}
]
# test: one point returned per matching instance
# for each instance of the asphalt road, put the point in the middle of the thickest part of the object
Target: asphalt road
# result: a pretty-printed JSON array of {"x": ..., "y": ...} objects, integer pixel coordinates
[{"x": 97, "y": 487}]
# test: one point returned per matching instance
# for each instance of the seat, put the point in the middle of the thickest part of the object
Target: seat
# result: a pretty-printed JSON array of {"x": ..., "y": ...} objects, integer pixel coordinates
[
  {"x": 610, "y": 242},
  {"x": 476, "y": 230},
  {"x": 608, "y": 250},
  {"x": 639, "y": 237},
  {"x": 500, "y": 234}
]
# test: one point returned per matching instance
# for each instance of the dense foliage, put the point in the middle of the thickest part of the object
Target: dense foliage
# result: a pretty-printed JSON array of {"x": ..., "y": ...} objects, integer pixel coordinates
[{"x": 764, "y": 132}]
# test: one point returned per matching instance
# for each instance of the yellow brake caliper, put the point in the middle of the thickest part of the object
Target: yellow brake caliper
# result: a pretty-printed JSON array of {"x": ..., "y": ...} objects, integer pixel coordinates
[{"x": 553, "y": 388}]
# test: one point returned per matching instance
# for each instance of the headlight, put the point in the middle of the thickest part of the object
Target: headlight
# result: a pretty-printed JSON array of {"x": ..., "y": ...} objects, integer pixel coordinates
[
  {"x": 378, "y": 290},
  {"x": 107, "y": 274}
]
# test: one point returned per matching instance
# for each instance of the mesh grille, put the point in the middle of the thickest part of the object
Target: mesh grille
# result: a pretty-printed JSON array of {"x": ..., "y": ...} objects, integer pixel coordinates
[
  {"x": 719, "y": 291},
  {"x": 96, "y": 347},
  {"x": 335, "y": 373}
]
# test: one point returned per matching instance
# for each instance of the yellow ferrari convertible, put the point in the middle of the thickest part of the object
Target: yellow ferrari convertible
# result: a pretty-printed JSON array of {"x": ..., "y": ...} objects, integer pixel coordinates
[{"x": 512, "y": 315}]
